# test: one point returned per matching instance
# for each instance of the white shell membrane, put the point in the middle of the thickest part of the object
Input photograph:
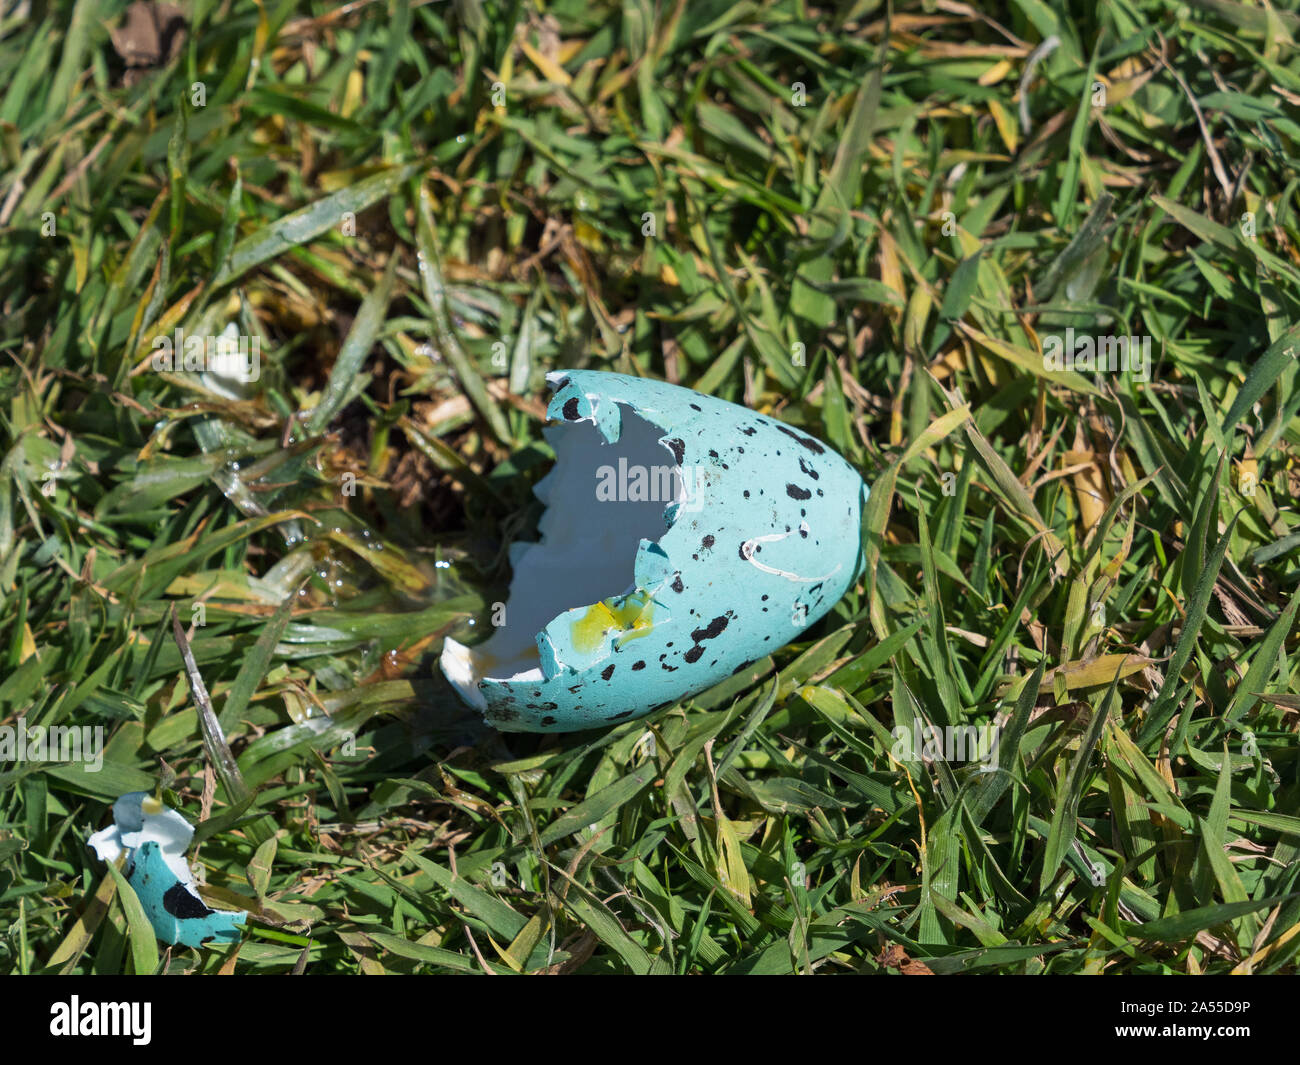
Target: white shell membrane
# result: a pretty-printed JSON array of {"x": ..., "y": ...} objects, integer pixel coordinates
[{"x": 587, "y": 548}]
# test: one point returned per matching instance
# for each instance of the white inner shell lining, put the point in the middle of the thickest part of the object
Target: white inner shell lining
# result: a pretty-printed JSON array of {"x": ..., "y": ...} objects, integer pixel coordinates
[{"x": 587, "y": 548}]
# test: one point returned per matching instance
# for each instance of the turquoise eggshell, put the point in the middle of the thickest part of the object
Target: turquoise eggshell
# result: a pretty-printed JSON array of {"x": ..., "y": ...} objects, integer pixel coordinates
[
  {"x": 767, "y": 542},
  {"x": 176, "y": 913},
  {"x": 153, "y": 839}
]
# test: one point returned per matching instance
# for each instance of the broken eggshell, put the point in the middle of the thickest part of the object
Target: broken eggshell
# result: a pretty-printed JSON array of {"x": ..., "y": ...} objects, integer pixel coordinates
[
  {"x": 154, "y": 839},
  {"x": 683, "y": 538}
]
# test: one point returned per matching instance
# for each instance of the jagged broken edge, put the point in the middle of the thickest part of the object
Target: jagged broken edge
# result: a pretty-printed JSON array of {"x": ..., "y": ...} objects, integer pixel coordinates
[{"x": 456, "y": 660}]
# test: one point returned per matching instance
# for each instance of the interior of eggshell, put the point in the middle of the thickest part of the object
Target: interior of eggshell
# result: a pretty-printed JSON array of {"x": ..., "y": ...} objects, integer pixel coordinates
[{"x": 586, "y": 553}]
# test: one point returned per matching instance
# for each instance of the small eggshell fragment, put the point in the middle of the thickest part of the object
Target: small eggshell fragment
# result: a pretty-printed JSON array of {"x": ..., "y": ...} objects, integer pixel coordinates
[{"x": 154, "y": 839}]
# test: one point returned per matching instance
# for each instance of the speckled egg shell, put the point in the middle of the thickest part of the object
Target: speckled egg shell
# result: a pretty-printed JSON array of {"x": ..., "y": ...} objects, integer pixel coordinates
[{"x": 644, "y": 606}]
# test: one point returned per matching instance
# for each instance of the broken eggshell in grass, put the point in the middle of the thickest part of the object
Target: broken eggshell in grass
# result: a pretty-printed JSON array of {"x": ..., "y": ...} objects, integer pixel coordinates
[
  {"x": 683, "y": 537},
  {"x": 154, "y": 839}
]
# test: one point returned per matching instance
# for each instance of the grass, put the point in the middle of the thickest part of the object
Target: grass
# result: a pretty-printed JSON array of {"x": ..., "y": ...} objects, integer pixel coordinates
[{"x": 840, "y": 219}]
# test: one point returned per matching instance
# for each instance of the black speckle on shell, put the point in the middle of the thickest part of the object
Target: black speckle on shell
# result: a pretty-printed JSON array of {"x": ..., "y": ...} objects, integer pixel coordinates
[
  {"x": 802, "y": 440},
  {"x": 710, "y": 631},
  {"x": 182, "y": 903}
]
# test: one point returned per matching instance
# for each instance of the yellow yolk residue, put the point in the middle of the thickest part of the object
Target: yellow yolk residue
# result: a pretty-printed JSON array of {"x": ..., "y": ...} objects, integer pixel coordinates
[{"x": 632, "y": 615}]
